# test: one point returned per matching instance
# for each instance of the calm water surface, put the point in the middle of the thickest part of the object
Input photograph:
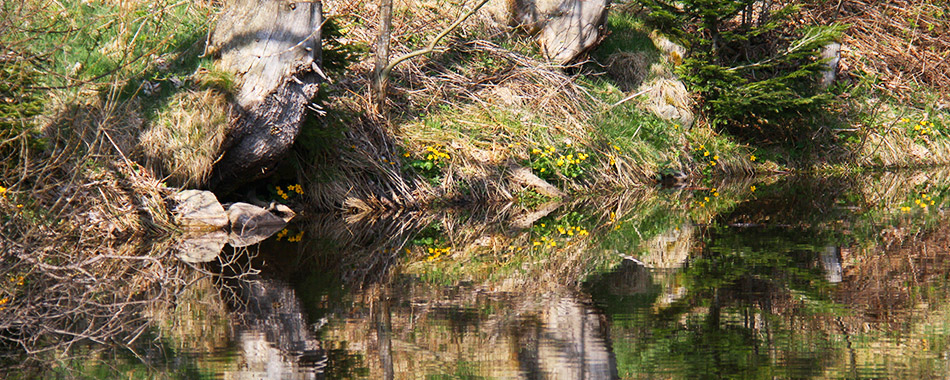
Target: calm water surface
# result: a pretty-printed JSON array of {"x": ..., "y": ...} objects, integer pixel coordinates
[{"x": 769, "y": 278}]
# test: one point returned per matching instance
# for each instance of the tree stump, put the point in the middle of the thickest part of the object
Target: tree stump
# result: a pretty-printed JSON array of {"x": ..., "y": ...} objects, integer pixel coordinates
[{"x": 272, "y": 47}]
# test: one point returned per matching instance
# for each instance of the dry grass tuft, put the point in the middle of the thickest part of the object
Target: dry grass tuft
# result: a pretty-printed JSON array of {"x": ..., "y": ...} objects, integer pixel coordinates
[
  {"x": 629, "y": 69},
  {"x": 185, "y": 138},
  {"x": 668, "y": 99},
  {"x": 486, "y": 100}
]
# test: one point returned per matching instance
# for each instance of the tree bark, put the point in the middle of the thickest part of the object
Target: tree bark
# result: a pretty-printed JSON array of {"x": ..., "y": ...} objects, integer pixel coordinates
[
  {"x": 273, "y": 49},
  {"x": 380, "y": 82}
]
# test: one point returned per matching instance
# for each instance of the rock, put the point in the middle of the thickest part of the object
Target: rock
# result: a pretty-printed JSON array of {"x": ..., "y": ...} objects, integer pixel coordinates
[
  {"x": 252, "y": 224},
  {"x": 272, "y": 48},
  {"x": 567, "y": 28},
  {"x": 199, "y": 210},
  {"x": 201, "y": 248}
]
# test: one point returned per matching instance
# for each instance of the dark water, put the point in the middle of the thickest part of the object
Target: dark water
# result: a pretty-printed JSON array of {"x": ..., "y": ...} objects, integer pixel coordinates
[{"x": 770, "y": 278}]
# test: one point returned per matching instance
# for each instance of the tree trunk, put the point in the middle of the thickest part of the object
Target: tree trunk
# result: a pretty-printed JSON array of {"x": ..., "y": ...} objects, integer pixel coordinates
[
  {"x": 380, "y": 82},
  {"x": 273, "y": 49}
]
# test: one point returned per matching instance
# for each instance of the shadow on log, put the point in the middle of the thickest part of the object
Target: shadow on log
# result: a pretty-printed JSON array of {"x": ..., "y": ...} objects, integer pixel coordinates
[{"x": 273, "y": 50}]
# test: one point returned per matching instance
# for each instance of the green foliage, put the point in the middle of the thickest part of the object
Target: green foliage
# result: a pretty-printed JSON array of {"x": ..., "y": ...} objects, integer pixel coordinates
[
  {"x": 19, "y": 102},
  {"x": 530, "y": 198},
  {"x": 754, "y": 70},
  {"x": 627, "y": 34},
  {"x": 428, "y": 163},
  {"x": 552, "y": 163},
  {"x": 336, "y": 54}
]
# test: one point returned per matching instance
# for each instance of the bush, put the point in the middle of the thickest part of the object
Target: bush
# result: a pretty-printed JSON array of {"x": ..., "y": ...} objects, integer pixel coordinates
[{"x": 755, "y": 69}]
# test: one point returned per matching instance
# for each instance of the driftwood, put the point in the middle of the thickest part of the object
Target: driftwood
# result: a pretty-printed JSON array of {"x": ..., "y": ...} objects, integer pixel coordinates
[{"x": 273, "y": 50}]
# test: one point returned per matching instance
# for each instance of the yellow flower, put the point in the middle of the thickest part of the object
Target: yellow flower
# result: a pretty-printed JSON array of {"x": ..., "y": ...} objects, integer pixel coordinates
[
  {"x": 406, "y": 154},
  {"x": 752, "y": 157},
  {"x": 542, "y": 170},
  {"x": 536, "y": 243},
  {"x": 706, "y": 199},
  {"x": 535, "y": 151},
  {"x": 19, "y": 206},
  {"x": 904, "y": 119},
  {"x": 716, "y": 157},
  {"x": 706, "y": 153},
  {"x": 583, "y": 233},
  {"x": 752, "y": 188},
  {"x": 3, "y": 191},
  {"x": 716, "y": 194},
  {"x": 713, "y": 163},
  {"x": 916, "y": 127}
]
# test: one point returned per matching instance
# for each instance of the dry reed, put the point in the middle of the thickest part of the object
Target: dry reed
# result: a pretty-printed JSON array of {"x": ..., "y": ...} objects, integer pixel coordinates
[{"x": 901, "y": 42}]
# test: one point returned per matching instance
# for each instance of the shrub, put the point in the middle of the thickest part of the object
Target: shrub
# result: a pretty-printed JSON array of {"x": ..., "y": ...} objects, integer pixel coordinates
[{"x": 754, "y": 68}]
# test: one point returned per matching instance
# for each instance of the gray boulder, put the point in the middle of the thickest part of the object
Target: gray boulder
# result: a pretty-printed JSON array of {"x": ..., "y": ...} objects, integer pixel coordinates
[
  {"x": 252, "y": 224},
  {"x": 201, "y": 248},
  {"x": 199, "y": 210}
]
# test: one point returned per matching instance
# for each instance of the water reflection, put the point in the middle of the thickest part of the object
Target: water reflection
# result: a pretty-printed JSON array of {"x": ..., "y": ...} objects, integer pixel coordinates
[{"x": 765, "y": 278}]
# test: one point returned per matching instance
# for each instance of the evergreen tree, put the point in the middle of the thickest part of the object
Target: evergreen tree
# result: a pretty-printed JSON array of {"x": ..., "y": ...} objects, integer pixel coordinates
[{"x": 753, "y": 64}]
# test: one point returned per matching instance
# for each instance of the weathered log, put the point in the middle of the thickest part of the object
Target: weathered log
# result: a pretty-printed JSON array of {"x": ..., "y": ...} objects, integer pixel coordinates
[{"x": 273, "y": 50}]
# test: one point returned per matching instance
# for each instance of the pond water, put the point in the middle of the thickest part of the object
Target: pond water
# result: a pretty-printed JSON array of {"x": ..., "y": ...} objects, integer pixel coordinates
[{"x": 784, "y": 277}]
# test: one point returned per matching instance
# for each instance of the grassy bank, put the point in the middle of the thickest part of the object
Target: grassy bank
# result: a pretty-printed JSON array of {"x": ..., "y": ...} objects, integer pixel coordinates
[{"x": 457, "y": 124}]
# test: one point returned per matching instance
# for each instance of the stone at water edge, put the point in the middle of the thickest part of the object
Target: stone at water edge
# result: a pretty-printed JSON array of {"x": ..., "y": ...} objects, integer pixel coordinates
[
  {"x": 201, "y": 248},
  {"x": 199, "y": 210},
  {"x": 252, "y": 224}
]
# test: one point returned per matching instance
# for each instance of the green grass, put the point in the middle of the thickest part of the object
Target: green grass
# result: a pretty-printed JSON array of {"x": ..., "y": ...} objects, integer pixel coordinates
[{"x": 627, "y": 33}]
